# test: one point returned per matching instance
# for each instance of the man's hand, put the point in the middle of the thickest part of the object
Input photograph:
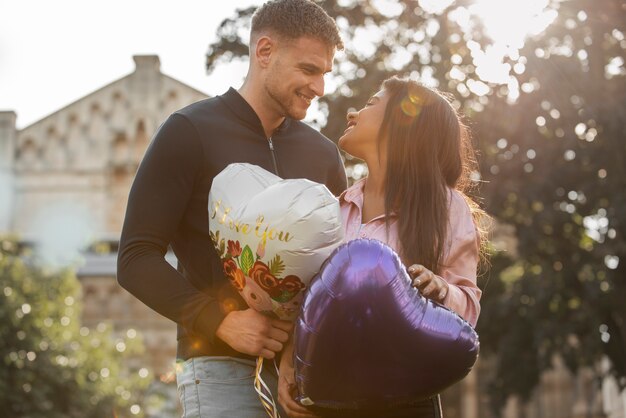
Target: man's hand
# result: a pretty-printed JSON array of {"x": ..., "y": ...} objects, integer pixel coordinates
[
  {"x": 430, "y": 285},
  {"x": 287, "y": 389},
  {"x": 250, "y": 332}
]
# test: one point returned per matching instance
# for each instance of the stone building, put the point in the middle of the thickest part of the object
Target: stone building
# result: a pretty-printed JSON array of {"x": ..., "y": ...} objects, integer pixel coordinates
[{"x": 64, "y": 182}]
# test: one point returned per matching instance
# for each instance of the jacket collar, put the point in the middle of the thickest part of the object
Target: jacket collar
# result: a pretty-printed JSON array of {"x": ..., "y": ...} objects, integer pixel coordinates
[{"x": 244, "y": 112}]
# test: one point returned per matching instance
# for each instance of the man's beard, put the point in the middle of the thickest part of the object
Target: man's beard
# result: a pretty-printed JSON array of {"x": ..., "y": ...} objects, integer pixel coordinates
[{"x": 283, "y": 103}]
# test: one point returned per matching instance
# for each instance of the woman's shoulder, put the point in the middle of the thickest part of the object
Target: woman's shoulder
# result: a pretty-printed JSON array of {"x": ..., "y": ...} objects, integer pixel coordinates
[
  {"x": 461, "y": 216},
  {"x": 458, "y": 201}
]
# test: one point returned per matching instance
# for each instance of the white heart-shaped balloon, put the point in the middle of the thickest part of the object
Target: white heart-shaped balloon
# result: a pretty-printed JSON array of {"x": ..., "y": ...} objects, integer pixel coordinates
[{"x": 272, "y": 235}]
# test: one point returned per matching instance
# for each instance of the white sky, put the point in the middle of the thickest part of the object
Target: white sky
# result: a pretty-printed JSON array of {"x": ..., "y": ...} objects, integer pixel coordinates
[{"x": 55, "y": 52}]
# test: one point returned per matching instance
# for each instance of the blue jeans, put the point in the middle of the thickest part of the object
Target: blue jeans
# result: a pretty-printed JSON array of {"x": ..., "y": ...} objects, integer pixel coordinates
[{"x": 215, "y": 387}]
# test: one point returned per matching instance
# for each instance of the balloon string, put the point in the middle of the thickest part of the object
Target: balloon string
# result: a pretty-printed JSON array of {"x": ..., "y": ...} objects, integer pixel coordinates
[{"x": 265, "y": 395}]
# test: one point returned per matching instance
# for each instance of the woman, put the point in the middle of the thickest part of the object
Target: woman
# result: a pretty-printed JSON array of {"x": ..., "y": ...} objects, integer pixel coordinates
[{"x": 419, "y": 159}]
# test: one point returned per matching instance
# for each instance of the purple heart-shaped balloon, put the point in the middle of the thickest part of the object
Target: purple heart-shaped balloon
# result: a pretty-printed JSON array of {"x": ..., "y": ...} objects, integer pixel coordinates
[{"x": 366, "y": 338}]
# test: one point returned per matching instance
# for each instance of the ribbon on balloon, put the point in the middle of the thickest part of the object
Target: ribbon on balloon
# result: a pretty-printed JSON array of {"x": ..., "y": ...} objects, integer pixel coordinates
[
  {"x": 272, "y": 236},
  {"x": 263, "y": 391}
]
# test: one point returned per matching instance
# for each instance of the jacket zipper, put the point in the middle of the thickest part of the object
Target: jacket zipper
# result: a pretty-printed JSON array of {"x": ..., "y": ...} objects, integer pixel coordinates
[{"x": 269, "y": 141}]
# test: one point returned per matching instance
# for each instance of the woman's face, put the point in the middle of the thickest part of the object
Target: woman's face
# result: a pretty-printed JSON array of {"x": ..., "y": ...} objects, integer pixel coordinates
[{"x": 360, "y": 139}]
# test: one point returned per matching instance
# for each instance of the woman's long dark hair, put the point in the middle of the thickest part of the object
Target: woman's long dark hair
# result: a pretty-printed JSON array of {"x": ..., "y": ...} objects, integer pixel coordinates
[{"x": 428, "y": 153}]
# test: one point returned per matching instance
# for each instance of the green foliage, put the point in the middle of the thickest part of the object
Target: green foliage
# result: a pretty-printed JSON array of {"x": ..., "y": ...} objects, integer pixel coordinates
[
  {"x": 50, "y": 365},
  {"x": 553, "y": 164},
  {"x": 247, "y": 259},
  {"x": 277, "y": 266}
]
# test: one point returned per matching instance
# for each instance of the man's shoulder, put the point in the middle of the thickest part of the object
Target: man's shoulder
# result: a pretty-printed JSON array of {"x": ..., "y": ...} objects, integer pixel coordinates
[
  {"x": 297, "y": 126},
  {"x": 200, "y": 108},
  {"x": 310, "y": 135}
]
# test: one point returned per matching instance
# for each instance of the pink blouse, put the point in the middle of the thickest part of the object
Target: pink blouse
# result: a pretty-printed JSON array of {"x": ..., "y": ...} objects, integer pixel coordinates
[{"x": 461, "y": 248}]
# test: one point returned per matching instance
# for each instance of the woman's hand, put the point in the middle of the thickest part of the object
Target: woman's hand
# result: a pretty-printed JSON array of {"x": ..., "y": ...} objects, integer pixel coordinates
[
  {"x": 287, "y": 389},
  {"x": 429, "y": 284}
]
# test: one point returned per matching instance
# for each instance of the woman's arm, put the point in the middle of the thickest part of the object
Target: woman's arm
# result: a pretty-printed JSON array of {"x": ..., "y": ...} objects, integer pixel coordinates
[
  {"x": 455, "y": 287},
  {"x": 460, "y": 273},
  {"x": 287, "y": 389}
]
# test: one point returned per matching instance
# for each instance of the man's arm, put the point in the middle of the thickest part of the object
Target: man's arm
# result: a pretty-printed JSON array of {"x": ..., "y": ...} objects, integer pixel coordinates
[
  {"x": 157, "y": 202},
  {"x": 156, "y": 205}
]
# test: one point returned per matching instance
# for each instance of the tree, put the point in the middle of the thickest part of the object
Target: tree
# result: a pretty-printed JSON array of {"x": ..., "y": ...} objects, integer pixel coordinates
[
  {"x": 551, "y": 133},
  {"x": 555, "y": 170},
  {"x": 382, "y": 39},
  {"x": 51, "y": 366}
]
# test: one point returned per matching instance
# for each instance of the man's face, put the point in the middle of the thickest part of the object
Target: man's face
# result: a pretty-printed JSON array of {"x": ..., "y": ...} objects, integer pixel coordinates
[{"x": 296, "y": 75}]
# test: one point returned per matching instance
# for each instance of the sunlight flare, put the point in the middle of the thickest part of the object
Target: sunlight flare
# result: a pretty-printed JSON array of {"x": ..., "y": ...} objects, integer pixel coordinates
[{"x": 507, "y": 24}]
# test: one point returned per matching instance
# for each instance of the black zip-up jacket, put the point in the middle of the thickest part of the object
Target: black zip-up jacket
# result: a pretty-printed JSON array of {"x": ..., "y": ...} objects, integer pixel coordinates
[{"x": 168, "y": 206}]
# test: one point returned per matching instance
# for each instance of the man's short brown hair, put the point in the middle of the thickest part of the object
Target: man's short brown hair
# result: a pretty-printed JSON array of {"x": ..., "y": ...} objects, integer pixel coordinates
[{"x": 293, "y": 19}]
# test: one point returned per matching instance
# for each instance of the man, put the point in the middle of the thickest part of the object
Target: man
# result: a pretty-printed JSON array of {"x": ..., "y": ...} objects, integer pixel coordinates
[{"x": 292, "y": 46}]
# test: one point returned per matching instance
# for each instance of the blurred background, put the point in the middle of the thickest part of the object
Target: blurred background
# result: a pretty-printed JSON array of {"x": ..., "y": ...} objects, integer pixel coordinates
[{"x": 84, "y": 85}]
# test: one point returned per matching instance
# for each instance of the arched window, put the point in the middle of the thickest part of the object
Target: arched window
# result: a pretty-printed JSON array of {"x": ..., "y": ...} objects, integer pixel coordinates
[
  {"x": 28, "y": 154},
  {"x": 120, "y": 150}
]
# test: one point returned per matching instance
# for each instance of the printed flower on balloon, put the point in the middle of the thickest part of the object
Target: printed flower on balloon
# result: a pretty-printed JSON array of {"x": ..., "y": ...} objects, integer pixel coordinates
[
  {"x": 249, "y": 274},
  {"x": 294, "y": 225}
]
